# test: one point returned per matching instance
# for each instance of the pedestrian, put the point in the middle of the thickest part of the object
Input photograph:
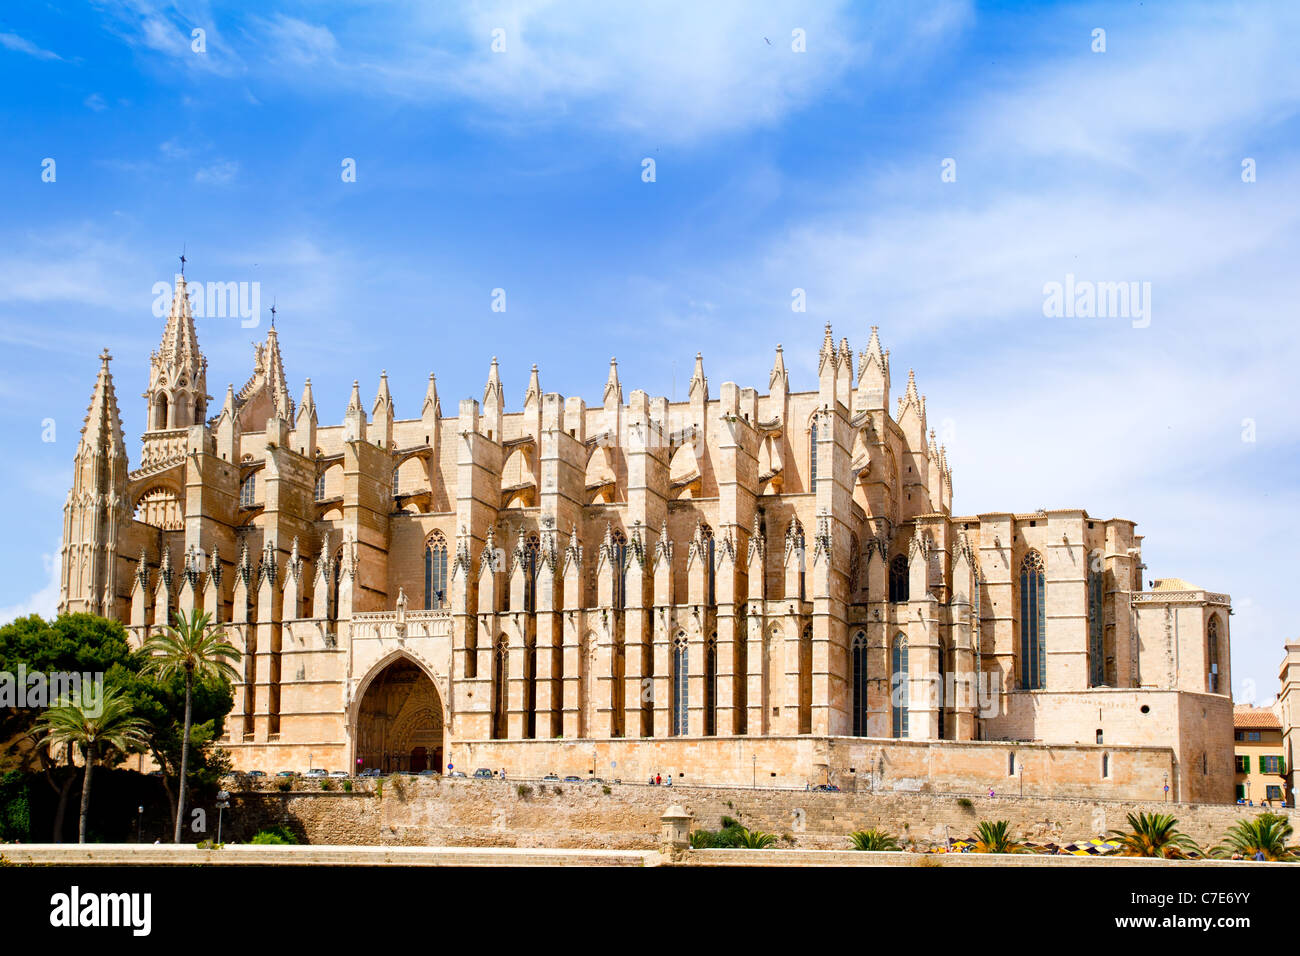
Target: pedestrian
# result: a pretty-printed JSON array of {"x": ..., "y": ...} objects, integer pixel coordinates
[
  {"x": 670, "y": 780},
  {"x": 658, "y": 780},
  {"x": 503, "y": 773},
  {"x": 990, "y": 791},
  {"x": 1259, "y": 856}
]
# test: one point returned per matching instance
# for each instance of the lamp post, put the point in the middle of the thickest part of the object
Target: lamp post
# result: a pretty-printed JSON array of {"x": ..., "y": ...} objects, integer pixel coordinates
[
  {"x": 754, "y": 782},
  {"x": 139, "y": 823},
  {"x": 223, "y": 801}
]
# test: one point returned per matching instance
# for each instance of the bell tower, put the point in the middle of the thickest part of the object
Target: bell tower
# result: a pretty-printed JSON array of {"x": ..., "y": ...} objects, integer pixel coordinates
[
  {"x": 96, "y": 506},
  {"x": 177, "y": 396}
]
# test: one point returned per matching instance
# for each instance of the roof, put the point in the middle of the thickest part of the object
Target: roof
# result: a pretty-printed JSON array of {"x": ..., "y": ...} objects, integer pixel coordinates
[
  {"x": 1174, "y": 584},
  {"x": 1255, "y": 718}
]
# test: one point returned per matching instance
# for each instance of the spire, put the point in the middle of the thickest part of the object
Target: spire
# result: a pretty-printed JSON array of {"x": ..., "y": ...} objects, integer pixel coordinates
[
  {"x": 354, "y": 403},
  {"x": 873, "y": 375},
  {"x": 177, "y": 394},
  {"x": 493, "y": 387},
  {"x": 779, "y": 373},
  {"x": 180, "y": 341},
  {"x": 612, "y": 386},
  {"x": 431, "y": 399},
  {"x": 102, "y": 428},
  {"x": 307, "y": 407},
  {"x": 383, "y": 398},
  {"x": 276, "y": 382},
  {"x": 534, "y": 393},
  {"x": 827, "y": 353},
  {"x": 698, "y": 381}
]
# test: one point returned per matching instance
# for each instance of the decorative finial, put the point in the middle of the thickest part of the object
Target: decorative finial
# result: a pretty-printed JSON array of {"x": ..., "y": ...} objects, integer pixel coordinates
[
  {"x": 273, "y": 313},
  {"x": 183, "y": 259}
]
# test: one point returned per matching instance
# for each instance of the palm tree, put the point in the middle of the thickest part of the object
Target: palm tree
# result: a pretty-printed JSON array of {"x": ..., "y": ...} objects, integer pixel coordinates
[
  {"x": 1267, "y": 833},
  {"x": 95, "y": 726},
  {"x": 746, "y": 839},
  {"x": 872, "y": 840},
  {"x": 200, "y": 652},
  {"x": 996, "y": 838},
  {"x": 1155, "y": 834}
]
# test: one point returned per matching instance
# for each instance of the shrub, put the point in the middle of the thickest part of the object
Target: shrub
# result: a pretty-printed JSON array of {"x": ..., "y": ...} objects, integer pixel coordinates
[
  {"x": 873, "y": 839},
  {"x": 524, "y": 791},
  {"x": 209, "y": 845},
  {"x": 605, "y": 790},
  {"x": 285, "y": 785},
  {"x": 278, "y": 835},
  {"x": 965, "y": 803},
  {"x": 347, "y": 786},
  {"x": 327, "y": 784}
]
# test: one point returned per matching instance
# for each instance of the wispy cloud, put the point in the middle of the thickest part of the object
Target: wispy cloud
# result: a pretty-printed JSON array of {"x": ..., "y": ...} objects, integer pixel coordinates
[{"x": 12, "y": 41}]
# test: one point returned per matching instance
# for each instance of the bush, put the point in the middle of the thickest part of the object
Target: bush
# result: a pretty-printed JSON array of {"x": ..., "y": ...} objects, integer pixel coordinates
[
  {"x": 605, "y": 790},
  {"x": 524, "y": 791},
  {"x": 873, "y": 839},
  {"x": 347, "y": 786},
  {"x": 285, "y": 785},
  {"x": 965, "y": 803},
  {"x": 327, "y": 784},
  {"x": 274, "y": 836}
]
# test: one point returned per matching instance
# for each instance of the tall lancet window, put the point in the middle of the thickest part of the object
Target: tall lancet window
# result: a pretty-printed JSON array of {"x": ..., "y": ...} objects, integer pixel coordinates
[
  {"x": 1212, "y": 656},
  {"x": 620, "y": 570},
  {"x": 899, "y": 686},
  {"x": 711, "y": 686},
  {"x": 860, "y": 684},
  {"x": 435, "y": 571},
  {"x": 1096, "y": 626},
  {"x": 1033, "y": 623},
  {"x": 531, "y": 549},
  {"x": 500, "y": 692},
  {"x": 248, "y": 491},
  {"x": 812, "y": 457},
  {"x": 681, "y": 675}
]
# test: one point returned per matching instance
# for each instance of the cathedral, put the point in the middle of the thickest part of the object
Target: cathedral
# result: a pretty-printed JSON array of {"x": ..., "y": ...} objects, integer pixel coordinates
[{"x": 749, "y": 588}]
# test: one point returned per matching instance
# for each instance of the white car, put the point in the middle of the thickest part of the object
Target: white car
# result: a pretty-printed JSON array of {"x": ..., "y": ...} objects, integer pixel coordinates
[
  {"x": 317, "y": 772},
  {"x": 338, "y": 773}
]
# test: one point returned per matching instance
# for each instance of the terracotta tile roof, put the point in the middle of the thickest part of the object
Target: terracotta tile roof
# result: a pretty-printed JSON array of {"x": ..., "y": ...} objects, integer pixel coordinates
[
  {"x": 1255, "y": 718},
  {"x": 1173, "y": 584}
]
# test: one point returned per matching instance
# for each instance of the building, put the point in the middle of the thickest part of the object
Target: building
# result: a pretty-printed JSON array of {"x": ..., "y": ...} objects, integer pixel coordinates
[
  {"x": 734, "y": 587},
  {"x": 1287, "y": 709},
  {"x": 1261, "y": 766}
]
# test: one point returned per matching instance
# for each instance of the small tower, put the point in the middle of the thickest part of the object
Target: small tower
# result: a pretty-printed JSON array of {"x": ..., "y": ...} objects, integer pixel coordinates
[
  {"x": 96, "y": 506},
  {"x": 177, "y": 396}
]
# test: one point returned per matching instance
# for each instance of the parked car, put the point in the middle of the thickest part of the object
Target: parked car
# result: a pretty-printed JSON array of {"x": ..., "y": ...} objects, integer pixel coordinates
[
  {"x": 572, "y": 779},
  {"x": 457, "y": 773},
  {"x": 552, "y": 776},
  {"x": 286, "y": 773},
  {"x": 826, "y": 788},
  {"x": 370, "y": 772},
  {"x": 338, "y": 773},
  {"x": 428, "y": 773},
  {"x": 483, "y": 773},
  {"x": 257, "y": 773},
  {"x": 316, "y": 772}
]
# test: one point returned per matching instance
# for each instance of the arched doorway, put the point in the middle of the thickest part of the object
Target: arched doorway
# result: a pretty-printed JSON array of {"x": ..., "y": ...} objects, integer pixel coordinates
[{"x": 399, "y": 721}]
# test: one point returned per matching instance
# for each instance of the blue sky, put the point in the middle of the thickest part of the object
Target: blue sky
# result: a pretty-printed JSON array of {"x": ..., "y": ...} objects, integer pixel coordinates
[{"x": 775, "y": 170}]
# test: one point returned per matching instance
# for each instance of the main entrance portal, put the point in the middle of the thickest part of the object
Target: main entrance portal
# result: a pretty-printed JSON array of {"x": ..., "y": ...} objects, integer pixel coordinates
[{"x": 399, "y": 723}]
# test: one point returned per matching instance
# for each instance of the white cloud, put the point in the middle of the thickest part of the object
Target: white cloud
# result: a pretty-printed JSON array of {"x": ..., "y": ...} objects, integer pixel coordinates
[
  {"x": 218, "y": 174},
  {"x": 43, "y": 602},
  {"x": 12, "y": 41}
]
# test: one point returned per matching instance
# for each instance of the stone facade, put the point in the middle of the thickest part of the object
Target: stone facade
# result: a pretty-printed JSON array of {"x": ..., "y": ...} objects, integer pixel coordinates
[{"x": 711, "y": 578}]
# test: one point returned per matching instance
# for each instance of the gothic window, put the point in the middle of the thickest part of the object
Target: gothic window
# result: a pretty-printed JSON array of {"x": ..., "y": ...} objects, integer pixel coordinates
[
  {"x": 711, "y": 686},
  {"x": 1096, "y": 624},
  {"x": 899, "y": 687},
  {"x": 860, "y": 684},
  {"x": 1033, "y": 623},
  {"x": 160, "y": 415},
  {"x": 898, "y": 579},
  {"x": 247, "y": 491},
  {"x": 620, "y": 570},
  {"x": 435, "y": 571},
  {"x": 805, "y": 680},
  {"x": 396, "y": 481},
  {"x": 532, "y": 548},
  {"x": 500, "y": 701},
  {"x": 320, "y": 487},
  {"x": 854, "y": 566},
  {"x": 812, "y": 457},
  {"x": 681, "y": 674},
  {"x": 943, "y": 688},
  {"x": 1212, "y": 656},
  {"x": 710, "y": 578},
  {"x": 530, "y": 690}
]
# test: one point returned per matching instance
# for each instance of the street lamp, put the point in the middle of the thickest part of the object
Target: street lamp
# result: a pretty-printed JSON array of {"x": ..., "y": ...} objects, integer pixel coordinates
[
  {"x": 139, "y": 822},
  {"x": 754, "y": 781},
  {"x": 223, "y": 802}
]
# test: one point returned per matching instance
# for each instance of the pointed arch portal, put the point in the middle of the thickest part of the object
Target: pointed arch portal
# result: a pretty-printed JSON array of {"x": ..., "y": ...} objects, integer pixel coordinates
[{"x": 399, "y": 722}]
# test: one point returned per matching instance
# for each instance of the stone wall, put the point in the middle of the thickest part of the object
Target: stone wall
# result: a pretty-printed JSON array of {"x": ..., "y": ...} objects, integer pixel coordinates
[{"x": 433, "y": 811}]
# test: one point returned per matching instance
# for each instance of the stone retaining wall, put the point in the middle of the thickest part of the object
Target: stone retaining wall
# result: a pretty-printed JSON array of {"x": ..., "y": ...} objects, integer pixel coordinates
[{"x": 450, "y": 812}]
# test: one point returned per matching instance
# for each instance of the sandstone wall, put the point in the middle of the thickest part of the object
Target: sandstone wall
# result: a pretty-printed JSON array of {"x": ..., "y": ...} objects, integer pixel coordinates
[{"x": 432, "y": 811}]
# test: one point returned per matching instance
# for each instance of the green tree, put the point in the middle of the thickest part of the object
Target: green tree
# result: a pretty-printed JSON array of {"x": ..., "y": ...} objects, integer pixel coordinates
[
  {"x": 197, "y": 651},
  {"x": 1155, "y": 834},
  {"x": 1267, "y": 833},
  {"x": 72, "y": 643},
  {"x": 872, "y": 840},
  {"x": 98, "y": 725}
]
